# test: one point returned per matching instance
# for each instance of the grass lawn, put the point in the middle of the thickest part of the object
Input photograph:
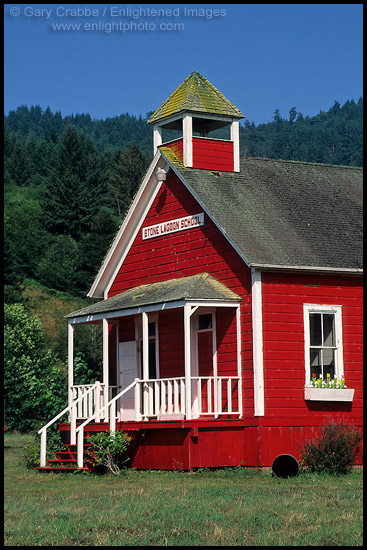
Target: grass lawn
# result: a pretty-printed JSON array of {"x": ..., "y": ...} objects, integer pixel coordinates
[{"x": 232, "y": 507}]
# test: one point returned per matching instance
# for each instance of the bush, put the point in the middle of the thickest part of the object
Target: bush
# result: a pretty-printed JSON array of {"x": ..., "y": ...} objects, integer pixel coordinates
[
  {"x": 31, "y": 451},
  {"x": 108, "y": 449},
  {"x": 334, "y": 450},
  {"x": 35, "y": 380}
]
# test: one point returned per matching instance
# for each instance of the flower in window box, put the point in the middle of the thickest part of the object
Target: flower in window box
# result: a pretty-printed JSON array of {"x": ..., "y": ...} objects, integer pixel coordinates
[{"x": 334, "y": 383}]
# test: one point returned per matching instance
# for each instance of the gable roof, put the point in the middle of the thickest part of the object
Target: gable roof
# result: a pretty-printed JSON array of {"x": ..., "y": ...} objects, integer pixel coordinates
[
  {"x": 202, "y": 287},
  {"x": 284, "y": 214},
  {"x": 196, "y": 94}
]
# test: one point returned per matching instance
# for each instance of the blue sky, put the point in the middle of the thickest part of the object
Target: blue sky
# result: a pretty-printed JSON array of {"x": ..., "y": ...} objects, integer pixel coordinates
[{"x": 260, "y": 56}]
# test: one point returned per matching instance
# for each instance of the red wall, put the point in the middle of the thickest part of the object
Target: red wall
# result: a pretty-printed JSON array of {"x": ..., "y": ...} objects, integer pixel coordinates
[
  {"x": 209, "y": 154},
  {"x": 289, "y": 419},
  {"x": 185, "y": 253},
  {"x": 177, "y": 147},
  {"x": 212, "y": 154}
]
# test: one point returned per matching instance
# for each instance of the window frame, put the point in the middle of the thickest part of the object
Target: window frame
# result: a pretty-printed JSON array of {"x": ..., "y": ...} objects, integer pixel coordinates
[{"x": 322, "y": 308}]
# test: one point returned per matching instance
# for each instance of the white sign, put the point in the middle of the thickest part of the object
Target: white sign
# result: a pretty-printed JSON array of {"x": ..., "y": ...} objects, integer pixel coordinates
[{"x": 180, "y": 224}]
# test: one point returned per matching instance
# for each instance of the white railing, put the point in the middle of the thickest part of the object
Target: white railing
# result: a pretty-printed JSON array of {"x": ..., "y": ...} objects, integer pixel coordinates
[
  {"x": 212, "y": 396},
  {"x": 111, "y": 414},
  {"x": 89, "y": 399},
  {"x": 163, "y": 396},
  {"x": 83, "y": 397},
  {"x": 216, "y": 395}
]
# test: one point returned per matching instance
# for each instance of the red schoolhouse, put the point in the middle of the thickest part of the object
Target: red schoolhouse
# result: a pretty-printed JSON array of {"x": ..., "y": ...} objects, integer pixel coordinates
[{"x": 230, "y": 299}]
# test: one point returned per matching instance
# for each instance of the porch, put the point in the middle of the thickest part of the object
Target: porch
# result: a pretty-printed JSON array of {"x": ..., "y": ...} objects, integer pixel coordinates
[{"x": 171, "y": 352}]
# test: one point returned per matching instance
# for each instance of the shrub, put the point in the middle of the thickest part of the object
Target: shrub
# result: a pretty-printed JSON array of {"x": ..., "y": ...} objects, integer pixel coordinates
[
  {"x": 34, "y": 378},
  {"x": 31, "y": 452},
  {"x": 108, "y": 449},
  {"x": 334, "y": 450}
]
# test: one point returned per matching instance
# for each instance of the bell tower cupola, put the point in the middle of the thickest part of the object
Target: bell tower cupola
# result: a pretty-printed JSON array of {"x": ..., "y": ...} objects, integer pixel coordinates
[{"x": 197, "y": 110}]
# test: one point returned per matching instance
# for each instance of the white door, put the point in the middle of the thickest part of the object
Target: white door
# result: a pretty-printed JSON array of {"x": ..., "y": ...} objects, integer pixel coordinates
[{"x": 127, "y": 372}]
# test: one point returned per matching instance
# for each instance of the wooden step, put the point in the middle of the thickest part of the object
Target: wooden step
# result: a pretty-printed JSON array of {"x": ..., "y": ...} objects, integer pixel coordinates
[{"x": 60, "y": 468}]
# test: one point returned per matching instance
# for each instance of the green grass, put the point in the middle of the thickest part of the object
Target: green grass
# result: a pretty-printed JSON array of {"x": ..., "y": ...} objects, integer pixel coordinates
[{"x": 234, "y": 507}]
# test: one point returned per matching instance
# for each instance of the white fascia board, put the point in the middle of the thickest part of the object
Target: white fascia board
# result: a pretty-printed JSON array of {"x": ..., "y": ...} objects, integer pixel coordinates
[
  {"x": 305, "y": 268},
  {"x": 98, "y": 317},
  {"x": 129, "y": 228}
]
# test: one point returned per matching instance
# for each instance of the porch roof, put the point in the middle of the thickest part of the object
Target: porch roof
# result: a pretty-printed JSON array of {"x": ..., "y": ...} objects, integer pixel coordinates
[{"x": 196, "y": 288}]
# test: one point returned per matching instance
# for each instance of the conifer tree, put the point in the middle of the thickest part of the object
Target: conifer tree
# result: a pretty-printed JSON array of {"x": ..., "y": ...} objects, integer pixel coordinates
[
  {"x": 126, "y": 177},
  {"x": 73, "y": 187}
]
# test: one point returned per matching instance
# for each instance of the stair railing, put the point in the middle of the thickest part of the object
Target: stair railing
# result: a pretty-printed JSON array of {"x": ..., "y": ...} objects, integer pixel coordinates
[
  {"x": 73, "y": 409},
  {"x": 112, "y": 416}
]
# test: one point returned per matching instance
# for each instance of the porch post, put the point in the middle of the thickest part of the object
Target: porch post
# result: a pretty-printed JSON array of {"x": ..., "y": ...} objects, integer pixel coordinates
[
  {"x": 145, "y": 328},
  {"x": 217, "y": 394},
  {"x": 238, "y": 325},
  {"x": 70, "y": 362},
  {"x": 187, "y": 338},
  {"x": 105, "y": 367}
]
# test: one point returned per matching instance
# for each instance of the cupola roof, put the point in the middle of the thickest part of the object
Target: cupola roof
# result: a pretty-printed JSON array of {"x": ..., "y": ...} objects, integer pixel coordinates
[{"x": 197, "y": 95}]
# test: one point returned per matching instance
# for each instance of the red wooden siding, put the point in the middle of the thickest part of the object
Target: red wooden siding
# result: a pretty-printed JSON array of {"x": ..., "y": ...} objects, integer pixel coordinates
[
  {"x": 283, "y": 341},
  {"x": 212, "y": 154},
  {"x": 197, "y": 250},
  {"x": 177, "y": 147}
]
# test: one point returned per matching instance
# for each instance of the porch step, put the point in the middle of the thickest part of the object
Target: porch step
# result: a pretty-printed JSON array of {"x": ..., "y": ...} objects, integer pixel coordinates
[
  {"x": 61, "y": 468},
  {"x": 67, "y": 460}
]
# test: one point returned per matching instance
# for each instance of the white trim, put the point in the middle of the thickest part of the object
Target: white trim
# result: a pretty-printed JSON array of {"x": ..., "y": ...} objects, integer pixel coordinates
[
  {"x": 138, "y": 226},
  {"x": 70, "y": 362},
  {"x": 274, "y": 267},
  {"x": 187, "y": 355},
  {"x": 324, "y": 308},
  {"x": 187, "y": 140},
  {"x": 195, "y": 314},
  {"x": 128, "y": 230},
  {"x": 235, "y": 137},
  {"x": 257, "y": 336},
  {"x": 238, "y": 326},
  {"x": 105, "y": 364},
  {"x": 153, "y": 307},
  {"x": 157, "y": 138}
]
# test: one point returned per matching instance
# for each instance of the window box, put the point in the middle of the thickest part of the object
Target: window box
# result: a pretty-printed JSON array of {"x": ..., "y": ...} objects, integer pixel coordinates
[{"x": 328, "y": 394}]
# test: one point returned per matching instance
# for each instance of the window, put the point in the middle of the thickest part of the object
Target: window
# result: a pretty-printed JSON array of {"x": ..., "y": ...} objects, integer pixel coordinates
[
  {"x": 205, "y": 321},
  {"x": 323, "y": 342}
]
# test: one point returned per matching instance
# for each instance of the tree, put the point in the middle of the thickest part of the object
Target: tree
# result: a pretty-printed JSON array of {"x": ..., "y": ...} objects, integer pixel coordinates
[
  {"x": 73, "y": 188},
  {"x": 34, "y": 379},
  {"x": 20, "y": 164},
  {"x": 292, "y": 115},
  {"x": 126, "y": 177},
  {"x": 57, "y": 267}
]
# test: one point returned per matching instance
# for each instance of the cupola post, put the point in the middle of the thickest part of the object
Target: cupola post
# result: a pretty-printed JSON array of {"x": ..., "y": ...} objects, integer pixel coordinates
[{"x": 187, "y": 140}]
